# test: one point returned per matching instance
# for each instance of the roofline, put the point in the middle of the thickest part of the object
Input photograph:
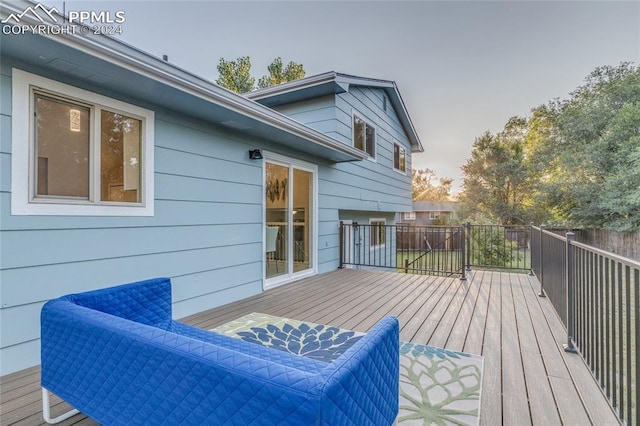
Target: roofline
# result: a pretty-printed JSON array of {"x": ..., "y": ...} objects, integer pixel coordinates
[
  {"x": 143, "y": 63},
  {"x": 292, "y": 86},
  {"x": 343, "y": 80}
]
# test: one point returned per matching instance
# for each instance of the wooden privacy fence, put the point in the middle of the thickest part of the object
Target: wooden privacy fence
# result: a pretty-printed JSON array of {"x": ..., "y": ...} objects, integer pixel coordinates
[{"x": 597, "y": 296}]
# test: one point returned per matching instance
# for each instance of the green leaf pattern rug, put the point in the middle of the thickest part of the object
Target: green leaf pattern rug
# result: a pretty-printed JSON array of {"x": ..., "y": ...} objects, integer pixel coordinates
[{"x": 437, "y": 386}]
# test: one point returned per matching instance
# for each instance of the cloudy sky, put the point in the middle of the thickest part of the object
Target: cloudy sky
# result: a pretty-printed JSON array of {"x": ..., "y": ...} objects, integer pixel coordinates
[{"x": 463, "y": 67}]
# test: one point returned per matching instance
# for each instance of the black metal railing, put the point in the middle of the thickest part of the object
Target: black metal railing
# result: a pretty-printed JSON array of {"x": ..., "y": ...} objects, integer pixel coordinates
[
  {"x": 431, "y": 250},
  {"x": 498, "y": 247},
  {"x": 435, "y": 250},
  {"x": 373, "y": 246},
  {"x": 549, "y": 260},
  {"x": 597, "y": 296}
]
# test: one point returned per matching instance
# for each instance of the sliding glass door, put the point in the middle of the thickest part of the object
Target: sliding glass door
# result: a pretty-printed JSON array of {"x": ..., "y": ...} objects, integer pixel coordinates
[{"x": 289, "y": 218}]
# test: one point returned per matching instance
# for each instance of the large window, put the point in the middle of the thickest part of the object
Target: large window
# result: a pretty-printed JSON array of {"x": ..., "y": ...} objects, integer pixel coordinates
[
  {"x": 378, "y": 232},
  {"x": 364, "y": 136},
  {"x": 399, "y": 158},
  {"x": 86, "y": 154}
]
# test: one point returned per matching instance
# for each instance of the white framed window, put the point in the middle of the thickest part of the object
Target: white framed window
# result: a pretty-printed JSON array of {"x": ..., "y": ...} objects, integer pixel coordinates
[
  {"x": 434, "y": 215},
  {"x": 377, "y": 232},
  {"x": 399, "y": 158},
  {"x": 410, "y": 216},
  {"x": 78, "y": 153},
  {"x": 364, "y": 136}
]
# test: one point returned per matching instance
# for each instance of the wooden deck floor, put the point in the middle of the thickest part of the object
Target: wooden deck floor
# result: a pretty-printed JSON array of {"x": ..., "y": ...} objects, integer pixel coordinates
[{"x": 528, "y": 378}]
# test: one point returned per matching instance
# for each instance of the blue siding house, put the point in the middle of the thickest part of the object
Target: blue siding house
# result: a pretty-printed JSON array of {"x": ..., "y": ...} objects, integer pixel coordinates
[{"x": 118, "y": 166}]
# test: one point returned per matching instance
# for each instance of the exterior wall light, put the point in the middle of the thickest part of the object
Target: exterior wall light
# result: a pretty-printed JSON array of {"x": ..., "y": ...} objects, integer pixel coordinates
[{"x": 255, "y": 154}]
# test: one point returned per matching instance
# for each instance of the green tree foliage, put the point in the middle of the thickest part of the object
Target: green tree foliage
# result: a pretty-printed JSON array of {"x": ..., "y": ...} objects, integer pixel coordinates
[
  {"x": 493, "y": 248},
  {"x": 575, "y": 161},
  {"x": 426, "y": 186},
  {"x": 236, "y": 75},
  {"x": 279, "y": 74},
  {"x": 596, "y": 141},
  {"x": 494, "y": 178}
]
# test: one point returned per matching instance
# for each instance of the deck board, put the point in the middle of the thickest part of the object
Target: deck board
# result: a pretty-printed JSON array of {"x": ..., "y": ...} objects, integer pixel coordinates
[
  {"x": 542, "y": 404},
  {"x": 513, "y": 381},
  {"x": 528, "y": 379}
]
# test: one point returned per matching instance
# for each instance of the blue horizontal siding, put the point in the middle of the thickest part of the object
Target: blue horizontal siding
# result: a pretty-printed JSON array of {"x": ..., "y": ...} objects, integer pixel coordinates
[
  {"x": 43, "y": 246},
  {"x": 39, "y": 283},
  {"x": 5, "y": 134}
]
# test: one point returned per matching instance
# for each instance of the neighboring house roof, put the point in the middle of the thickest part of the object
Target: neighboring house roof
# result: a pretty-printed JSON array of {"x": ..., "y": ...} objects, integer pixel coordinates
[
  {"x": 332, "y": 83},
  {"x": 434, "y": 206},
  {"x": 91, "y": 61}
]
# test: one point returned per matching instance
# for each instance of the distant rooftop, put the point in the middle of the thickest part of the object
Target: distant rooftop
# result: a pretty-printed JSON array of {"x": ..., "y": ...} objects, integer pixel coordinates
[{"x": 434, "y": 206}]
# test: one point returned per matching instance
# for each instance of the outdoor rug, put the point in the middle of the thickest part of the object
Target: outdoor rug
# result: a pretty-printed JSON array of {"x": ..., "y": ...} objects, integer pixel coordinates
[{"x": 437, "y": 386}]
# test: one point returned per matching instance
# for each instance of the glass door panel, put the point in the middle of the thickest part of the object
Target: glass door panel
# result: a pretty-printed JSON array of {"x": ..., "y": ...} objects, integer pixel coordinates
[
  {"x": 302, "y": 212},
  {"x": 277, "y": 220}
]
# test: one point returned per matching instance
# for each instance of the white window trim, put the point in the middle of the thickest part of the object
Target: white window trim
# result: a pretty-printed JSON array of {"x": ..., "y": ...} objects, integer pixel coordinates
[
  {"x": 22, "y": 148},
  {"x": 354, "y": 114},
  {"x": 409, "y": 215},
  {"x": 402, "y": 172},
  {"x": 384, "y": 223}
]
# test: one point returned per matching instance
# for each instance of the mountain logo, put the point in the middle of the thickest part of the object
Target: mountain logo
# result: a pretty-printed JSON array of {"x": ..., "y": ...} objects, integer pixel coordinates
[{"x": 37, "y": 11}]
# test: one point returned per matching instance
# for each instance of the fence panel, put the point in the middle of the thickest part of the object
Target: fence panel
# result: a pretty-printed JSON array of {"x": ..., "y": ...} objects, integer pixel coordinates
[
  {"x": 549, "y": 252},
  {"x": 499, "y": 246},
  {"x": 607, "y": 323},
  {"x": 430, "y": 250},
  {"x": 600, "y": 306}
]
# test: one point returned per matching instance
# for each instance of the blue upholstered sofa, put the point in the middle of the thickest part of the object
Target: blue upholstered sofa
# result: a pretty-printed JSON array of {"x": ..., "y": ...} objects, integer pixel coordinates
[{"x": 117, "y": 356}]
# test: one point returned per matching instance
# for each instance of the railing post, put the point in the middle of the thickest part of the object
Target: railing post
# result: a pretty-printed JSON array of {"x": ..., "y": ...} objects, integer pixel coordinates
[
  {"x": 341, "y": 242},
  {"x": 541, "y": 277},
  {"x": 462, "y": 238},
  {"x": 468, "y": 245},
  {"x": 528, "y": 241},
  {"x": 569, "y": 274}
]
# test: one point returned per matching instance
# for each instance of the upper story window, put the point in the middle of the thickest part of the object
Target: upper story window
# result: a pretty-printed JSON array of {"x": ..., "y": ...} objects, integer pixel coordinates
[
  {"x": 78, "y": 153},
  {"x": 399, "y": 158},
  {"x": 364, "y": 136}
]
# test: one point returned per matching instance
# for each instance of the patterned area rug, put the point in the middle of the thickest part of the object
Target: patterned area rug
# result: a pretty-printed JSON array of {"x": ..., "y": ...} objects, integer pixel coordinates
[{"x": 437, "y": 386}]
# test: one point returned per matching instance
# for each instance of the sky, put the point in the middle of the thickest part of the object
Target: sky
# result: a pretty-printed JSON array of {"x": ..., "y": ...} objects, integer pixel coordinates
[{"x": 462, "y": 67}]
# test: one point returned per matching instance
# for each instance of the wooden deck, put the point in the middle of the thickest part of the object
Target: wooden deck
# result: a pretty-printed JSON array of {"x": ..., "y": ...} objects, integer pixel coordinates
[{"x": 528, "y": 378}]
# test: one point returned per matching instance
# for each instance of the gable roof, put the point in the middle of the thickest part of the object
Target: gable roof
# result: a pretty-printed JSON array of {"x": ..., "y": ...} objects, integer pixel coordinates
[
  {"x": 434, "y": 206},
  {"x": 333, "y": 83},
  {"x": 94, "y": 61}
]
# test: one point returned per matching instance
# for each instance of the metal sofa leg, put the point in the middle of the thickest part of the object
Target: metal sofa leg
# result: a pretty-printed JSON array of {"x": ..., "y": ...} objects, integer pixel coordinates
[{"x": 46, "y": 410}]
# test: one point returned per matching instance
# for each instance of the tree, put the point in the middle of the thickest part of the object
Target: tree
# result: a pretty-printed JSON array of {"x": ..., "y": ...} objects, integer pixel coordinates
[
  {"x": 594, "y": 180},
  {"x": 426, "y": 186},
  {"x": 278, "y": 74},
  {"x": 575, "y": 161},
  {"x": 494, "y": 178},
  {"x": 236, "y": 75}
]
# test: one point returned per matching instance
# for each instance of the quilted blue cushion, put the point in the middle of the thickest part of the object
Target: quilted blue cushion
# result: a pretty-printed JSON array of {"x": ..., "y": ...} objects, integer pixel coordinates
[
  {"x": 116, "y": 365},
  {"x": 146, "y": 302}
]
